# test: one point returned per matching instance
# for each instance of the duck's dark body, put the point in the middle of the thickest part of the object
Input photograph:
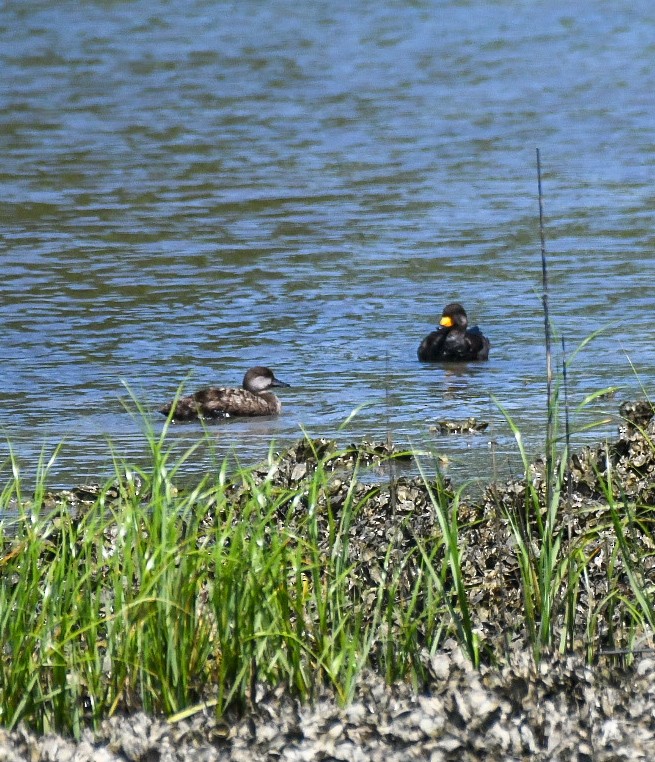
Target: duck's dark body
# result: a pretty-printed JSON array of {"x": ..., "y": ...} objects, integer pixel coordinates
[
  {"x": 219, "y": 402},
  {"x": 453, "y": 341}
]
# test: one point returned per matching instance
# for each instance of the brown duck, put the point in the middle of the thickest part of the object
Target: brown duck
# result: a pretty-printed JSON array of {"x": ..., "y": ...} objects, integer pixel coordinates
[
  {"x": 215, "y": 402},
  {"x": 454, "y": 341}
]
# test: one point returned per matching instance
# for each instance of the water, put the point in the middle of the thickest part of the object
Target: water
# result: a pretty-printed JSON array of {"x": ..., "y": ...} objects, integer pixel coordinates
[{"x": 190, "y": 189}]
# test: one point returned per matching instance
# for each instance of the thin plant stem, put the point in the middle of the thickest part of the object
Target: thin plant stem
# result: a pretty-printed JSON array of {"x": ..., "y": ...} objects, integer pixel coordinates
[
  {"x": 569, "y": 494},
  {"x": 392, "y": 462},
  {"x": 549, "y": 365}
]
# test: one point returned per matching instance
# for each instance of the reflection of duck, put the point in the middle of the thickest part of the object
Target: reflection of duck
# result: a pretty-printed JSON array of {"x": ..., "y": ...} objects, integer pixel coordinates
[
  {"x": 214, "y": 402},
  {"x": 453, "y": 341}
]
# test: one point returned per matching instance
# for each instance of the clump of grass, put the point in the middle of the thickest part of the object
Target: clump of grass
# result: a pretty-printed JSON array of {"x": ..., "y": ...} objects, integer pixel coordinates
[
  {"x": 456, "y": 599},
  {"x": 632, "y": 588},
  {"x": 164, "y": 600}
]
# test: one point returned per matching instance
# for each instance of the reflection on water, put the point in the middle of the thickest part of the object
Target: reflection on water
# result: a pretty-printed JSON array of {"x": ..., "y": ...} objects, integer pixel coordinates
[{"x": 191, "y": 190}]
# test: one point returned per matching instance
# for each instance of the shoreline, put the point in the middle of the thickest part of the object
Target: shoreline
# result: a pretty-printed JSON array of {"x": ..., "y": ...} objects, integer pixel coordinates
[{"x": 524, "y": 700}]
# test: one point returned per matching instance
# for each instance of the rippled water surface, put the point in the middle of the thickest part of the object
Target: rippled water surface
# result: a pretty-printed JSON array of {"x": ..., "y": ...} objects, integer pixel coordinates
[{"x": 193, "y": 188}]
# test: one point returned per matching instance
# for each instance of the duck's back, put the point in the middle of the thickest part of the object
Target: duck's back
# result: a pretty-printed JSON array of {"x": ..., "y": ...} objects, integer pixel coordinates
[
  {"x": 215, "y": 402},
  {"x": 454, "y": 346},
  {"x": 478, "y": 344}
]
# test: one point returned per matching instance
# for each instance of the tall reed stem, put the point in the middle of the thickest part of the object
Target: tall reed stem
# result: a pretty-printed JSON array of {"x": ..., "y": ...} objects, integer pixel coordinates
[{"x": 549, "y": 365}]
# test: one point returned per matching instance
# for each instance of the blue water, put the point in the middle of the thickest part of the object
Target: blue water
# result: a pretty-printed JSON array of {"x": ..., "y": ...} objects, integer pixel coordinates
[{"x": 190, "y": 189}]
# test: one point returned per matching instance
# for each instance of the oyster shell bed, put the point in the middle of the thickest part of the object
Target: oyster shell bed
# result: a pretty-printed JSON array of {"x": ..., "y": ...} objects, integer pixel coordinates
[
  {"x": 399, "y": 511},
  {"x": 558, "y": 709}
]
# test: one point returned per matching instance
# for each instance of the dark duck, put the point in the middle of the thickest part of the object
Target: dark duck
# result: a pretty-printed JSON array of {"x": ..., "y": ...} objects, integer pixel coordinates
[
  {"x": 454, "y": 341},
  {"x": 215, "y": 402}
]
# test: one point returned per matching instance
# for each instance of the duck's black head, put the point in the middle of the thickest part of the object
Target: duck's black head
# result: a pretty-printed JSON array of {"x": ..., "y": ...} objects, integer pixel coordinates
[{"x": 454, "y": 315}]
